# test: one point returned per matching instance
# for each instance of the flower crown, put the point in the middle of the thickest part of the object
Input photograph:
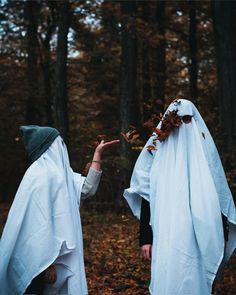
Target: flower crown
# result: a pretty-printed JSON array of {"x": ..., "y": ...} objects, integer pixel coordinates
[{"x": 169, "y": 124}]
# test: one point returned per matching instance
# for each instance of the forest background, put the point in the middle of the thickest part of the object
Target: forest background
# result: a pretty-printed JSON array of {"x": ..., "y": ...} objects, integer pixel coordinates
[{"x": 96, "y": 68}]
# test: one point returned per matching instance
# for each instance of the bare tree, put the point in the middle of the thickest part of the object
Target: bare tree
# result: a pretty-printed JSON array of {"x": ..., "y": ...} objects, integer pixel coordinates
[
  {"x": 61, "y": 96},
  {"x": 193, "y": 64},
  {"x": 158, "y": 55},
  {"x": 224, "y": 17},
  {"x": 129, "y": 109},
  {"x": 33, "y": 115}
]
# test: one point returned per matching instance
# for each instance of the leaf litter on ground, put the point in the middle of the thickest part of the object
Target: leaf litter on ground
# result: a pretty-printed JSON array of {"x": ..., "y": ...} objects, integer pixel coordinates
[{"x": 112, "y": 255}]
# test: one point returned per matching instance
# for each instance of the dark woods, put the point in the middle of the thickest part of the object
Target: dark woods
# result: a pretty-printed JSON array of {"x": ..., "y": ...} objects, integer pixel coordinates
[{"x": 95, "y": 68}]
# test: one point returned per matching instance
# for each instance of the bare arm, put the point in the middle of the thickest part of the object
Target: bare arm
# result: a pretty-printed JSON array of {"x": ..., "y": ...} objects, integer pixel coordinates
[
  {"x": 94, "y": 174},
  {"x": 96, "y": 162}
]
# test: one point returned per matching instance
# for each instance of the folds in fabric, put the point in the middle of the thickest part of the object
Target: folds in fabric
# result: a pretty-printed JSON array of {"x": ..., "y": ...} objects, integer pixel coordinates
[
  {"x": 187, "y": 189},
  {"x": 43, "y": 227}
]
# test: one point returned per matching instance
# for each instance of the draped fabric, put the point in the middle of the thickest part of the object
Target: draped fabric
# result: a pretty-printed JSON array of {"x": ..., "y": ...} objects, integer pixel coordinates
[
  {"x": 185, "y": 183},
  {"x": 43, "y": 227}
]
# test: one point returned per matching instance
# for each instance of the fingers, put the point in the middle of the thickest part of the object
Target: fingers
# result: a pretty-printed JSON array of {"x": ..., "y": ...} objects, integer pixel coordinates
[
  {"x": 146, "y": 251},
  {"x": 51, "y": 278},
  {"x": 111, "y": 142},
  {"x": 50, "y": 275},
  {"x": 148, "y": 255},
  {"x": 103, "y": 145}
]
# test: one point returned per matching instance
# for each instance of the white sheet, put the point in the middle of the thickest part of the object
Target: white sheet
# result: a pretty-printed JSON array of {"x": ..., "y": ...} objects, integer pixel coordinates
[
  {"x": 187, "y": 189},
  {"x": 43, "y": 227}
]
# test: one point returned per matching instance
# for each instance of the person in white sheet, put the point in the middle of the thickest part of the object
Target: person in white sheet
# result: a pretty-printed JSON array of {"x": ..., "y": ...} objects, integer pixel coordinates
[
  {"x": 41, "y": 248},
  {"x": 180, "y": 174}
]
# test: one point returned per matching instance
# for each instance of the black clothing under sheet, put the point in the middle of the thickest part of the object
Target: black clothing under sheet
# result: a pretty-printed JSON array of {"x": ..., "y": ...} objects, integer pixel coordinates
[
  {"x": 145, "y": 230},
  {"x": 37, "y": 285}
]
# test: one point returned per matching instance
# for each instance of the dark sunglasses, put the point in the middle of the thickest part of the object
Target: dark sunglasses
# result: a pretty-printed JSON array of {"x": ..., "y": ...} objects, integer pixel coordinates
[{"x": 186, "y": 119}]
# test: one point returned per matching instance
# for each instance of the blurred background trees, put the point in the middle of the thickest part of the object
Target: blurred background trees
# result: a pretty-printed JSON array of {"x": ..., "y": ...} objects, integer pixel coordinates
[{"x": 93, "y": 68}]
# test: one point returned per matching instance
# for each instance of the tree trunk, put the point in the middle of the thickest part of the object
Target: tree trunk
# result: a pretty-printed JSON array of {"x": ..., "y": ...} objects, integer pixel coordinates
[
  {"x": 145, "y": 64},
  {"x": 224, "y": 17},
  {"x": 33, "y": 115},
  {"x": 47, "y": 65},
  {"x": 61, "y": 96},
  {"x": 158, "y": 81},
  {"x": 128, "y": 105},
  {"x": 129, "y": 111},
  {"x": 193, "y": 66}
]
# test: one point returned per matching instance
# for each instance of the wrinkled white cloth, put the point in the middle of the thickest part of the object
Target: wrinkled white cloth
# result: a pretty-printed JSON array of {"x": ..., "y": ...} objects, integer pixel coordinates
[
  {"x": 185, "y": 183},
  {"x": 43, "y": 227},
  {"x": 91, "y": 183}
]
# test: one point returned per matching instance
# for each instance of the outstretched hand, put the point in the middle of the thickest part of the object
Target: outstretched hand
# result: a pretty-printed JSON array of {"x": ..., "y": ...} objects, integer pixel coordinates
[
  {"x": 146, "y": 251},
  {"x": 50, "y": 275},
  {"x": 96, "y": 162},
  {"x": 104, "y": 145}
]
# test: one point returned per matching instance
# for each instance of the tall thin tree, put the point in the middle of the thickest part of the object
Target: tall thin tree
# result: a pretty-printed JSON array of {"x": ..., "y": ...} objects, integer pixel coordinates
[
  {"x": 193, "y": 64},
  {"x": 224, "y": 18},
  {"x": 33, "y": 114},
  {"x": 46, "y": 60},
  {"x": 61, "y": 96},
  {"x": 129, "y": 111},
  {"x": 158, "y": 52},
  {"x": 145, "y": 78}
]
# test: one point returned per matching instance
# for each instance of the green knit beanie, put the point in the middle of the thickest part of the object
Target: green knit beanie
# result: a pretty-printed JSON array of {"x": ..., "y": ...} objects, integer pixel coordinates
[{"x": 37, "y": 139}]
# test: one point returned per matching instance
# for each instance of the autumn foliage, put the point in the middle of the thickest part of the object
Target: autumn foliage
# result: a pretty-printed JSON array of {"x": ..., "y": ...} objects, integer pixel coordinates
[
  {"x": 112, "y": 255},
  {"x": 172, "y": 46}
]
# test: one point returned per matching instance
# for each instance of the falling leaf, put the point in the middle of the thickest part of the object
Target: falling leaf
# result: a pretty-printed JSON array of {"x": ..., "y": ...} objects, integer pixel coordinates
[
  {"x": 158, "y": 131},
  {"x": 151, "y": 148},
  {"x": 130, "y": 136},
  {"x": 135, "y": 136},
  {"x": 124, "y": 136},
  {"x": 152, "y": 122}
]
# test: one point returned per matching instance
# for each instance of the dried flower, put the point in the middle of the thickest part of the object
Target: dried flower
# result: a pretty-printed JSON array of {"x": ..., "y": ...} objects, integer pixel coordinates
[{"x": 170, "y": 123}]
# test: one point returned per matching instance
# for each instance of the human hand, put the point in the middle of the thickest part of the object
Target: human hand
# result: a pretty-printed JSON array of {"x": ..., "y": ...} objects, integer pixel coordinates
[
  {"x": 50, "y": 275},
  {"x": 146, "y": 251},
  {"x": 104, "y": 145},
  {"x": 96, "y": 162}
]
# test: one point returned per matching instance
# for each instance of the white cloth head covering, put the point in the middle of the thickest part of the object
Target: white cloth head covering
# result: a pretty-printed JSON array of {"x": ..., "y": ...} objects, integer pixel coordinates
[
  {"x": 185, "y": 183},
  {"x": 43, "y": 227}
]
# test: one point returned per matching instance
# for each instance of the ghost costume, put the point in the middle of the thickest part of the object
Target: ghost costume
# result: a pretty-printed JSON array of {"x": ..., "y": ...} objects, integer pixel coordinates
[
  {"x": 185, "y": 184},
  {"x": 43, "y": 225}
]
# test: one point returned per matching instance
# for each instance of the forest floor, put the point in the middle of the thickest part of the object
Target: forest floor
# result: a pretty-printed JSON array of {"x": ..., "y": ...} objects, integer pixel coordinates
[{"x": 112, "y": 255}]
